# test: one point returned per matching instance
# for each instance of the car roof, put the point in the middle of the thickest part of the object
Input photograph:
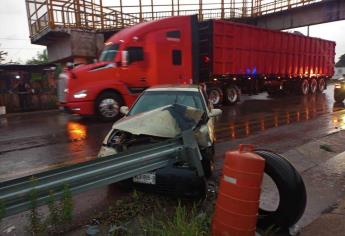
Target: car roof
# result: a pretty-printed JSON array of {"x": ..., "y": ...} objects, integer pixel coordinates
[{"x": 175, "y": 87}]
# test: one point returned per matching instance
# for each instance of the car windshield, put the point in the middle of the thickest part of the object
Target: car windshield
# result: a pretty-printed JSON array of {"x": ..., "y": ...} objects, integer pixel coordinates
[
  {"x": 155, "y": 99},
  {"x": 109, "y": 53}
]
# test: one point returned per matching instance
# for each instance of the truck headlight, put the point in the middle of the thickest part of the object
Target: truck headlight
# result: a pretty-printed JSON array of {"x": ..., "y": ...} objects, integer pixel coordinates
[
  {"x": 80, "y": 94},
  {"x": 338, "y": 86}
]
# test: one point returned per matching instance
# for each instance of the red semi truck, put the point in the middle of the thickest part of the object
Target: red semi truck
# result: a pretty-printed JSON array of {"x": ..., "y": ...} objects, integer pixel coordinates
[{"x": 229, "y": 58}]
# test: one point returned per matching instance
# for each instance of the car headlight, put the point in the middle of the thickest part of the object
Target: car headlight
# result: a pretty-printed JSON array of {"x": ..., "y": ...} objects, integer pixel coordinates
[
  {"x": 80, "y": 94},
  {"x": 338, "y": 86}
]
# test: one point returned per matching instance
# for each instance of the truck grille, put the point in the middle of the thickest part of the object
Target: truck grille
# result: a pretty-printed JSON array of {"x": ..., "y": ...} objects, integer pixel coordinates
[{"x": 61, "y": 86}]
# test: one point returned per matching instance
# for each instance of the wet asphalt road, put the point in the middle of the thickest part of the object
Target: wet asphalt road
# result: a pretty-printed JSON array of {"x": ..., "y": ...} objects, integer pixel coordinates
[{"x": 33, "y": 142}]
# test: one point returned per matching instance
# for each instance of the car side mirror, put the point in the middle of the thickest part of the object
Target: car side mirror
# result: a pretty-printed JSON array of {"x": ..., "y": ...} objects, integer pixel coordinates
[
  {"x": 124, "y": 110},
  {"x": 215, "y": 112}
]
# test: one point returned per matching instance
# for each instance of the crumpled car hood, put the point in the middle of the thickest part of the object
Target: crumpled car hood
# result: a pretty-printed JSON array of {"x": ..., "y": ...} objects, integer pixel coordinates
[{"x": 166, "y": 122}]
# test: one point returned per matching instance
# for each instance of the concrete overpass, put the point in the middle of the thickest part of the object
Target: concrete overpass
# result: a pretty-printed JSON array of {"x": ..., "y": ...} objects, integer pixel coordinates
[
  {"x": 62, "y": 25},
  {"x": 312, "y": 14}
]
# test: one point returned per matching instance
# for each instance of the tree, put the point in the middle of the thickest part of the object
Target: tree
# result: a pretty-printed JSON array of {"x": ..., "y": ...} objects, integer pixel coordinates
[
  {"x": 40, "y": 58},
  {"x": 2, "y": 56},
  {"x": 341, "y": 62}
]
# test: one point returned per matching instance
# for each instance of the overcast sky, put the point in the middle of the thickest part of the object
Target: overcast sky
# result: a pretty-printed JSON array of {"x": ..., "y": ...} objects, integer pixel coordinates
[{"x": 14, "y": 32}]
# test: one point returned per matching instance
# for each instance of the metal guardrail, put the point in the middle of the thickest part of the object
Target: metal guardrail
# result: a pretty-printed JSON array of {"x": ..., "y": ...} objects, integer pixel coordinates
[{"x": 15, "y": 194}]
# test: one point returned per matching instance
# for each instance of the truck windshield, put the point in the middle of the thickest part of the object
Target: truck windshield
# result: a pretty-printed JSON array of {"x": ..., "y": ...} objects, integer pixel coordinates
[
  {"x": 155, "y": 99},
  {"x": 109, "y": 53}
]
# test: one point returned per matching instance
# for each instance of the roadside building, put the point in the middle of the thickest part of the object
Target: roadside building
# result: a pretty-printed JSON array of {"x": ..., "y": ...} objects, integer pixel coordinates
[{"x": 27, "y": 87}]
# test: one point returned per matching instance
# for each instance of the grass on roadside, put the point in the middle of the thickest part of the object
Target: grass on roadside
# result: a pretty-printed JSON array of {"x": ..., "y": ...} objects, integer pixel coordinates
[{"x": 183, "y": 221}]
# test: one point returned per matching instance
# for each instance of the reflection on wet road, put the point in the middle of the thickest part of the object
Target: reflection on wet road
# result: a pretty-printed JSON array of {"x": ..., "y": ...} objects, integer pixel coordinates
[
  {"x": 260, "y": 113},
  {"x": 31, "y": 143}
]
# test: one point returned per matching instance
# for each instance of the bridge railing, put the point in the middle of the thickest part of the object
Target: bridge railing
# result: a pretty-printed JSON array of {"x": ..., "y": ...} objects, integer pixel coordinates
[{"x": 93, "y": 15}]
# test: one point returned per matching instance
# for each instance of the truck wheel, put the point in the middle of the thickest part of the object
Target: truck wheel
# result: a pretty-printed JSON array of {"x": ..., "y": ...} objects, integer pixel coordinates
[
  {"x": 313, "y": 86},
  {"x": 215, "y": 96},
  {"x": 232, "y": 95},
  {"x": 321, "y": 85},
  {"x": 304, "y": 87},
  {"x": 108, "y": 106},
  {"x": 291, "y": 188}
]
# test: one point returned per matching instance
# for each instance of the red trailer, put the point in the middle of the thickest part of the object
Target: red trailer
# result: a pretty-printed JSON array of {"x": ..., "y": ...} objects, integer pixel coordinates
[
  {"x": 256, "y": 59},
  {"x": 229, "y": 58}
]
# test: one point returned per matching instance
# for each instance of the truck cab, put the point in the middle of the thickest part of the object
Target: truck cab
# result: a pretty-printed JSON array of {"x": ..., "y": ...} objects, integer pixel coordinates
[{"x": 147, "y": 54}]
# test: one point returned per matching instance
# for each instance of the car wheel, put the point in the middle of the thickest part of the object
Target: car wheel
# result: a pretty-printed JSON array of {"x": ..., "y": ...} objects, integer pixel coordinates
[
  {"x": 215, "y": 96},
  {"x": 313, "y": 86},
  {"x": 108, "y": 106},
  {"x": 321, "y": 85},
  {"x": 231, "y": 95},
  {"x": 291, "y": 188}
]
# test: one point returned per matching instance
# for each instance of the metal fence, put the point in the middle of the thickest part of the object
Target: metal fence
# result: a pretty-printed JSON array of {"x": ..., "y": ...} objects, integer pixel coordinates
[{"x": 96, "y": 15}]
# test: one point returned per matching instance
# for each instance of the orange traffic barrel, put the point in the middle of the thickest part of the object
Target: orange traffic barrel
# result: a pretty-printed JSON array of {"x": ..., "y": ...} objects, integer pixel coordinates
[{"x": 239, "y": 193}]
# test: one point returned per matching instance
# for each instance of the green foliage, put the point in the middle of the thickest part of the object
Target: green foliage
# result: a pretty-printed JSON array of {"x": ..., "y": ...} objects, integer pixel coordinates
[
  {"x": 184, "y": 222},
  {"x": 36, "y": 226},
  {"x": 54, "y": 212},
  {"x": 67, "y": 205},
  {"x": 2, "y": 56},
  {"x": 41, "y": 58},
  {"x": 341, "y": 62}
]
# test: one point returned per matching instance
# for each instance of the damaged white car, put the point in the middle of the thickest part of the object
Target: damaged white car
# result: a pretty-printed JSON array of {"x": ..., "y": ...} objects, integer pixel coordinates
[{"x": 164, "y": 112}]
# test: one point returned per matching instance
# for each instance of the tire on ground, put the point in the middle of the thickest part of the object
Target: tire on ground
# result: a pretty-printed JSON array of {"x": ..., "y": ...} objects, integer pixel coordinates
[
  {"x": 313, "y": 86},
  {"x": 108, "y": 106},
  {"x": 215, "y": 96},
  {"x": 291, "y": 188},
  {"x": 231, "y": 95},
  {"x": 321, "y": 85}
]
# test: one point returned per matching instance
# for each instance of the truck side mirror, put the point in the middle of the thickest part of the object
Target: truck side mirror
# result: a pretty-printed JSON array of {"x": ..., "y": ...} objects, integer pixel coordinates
[
  {"x": 124, "y": 110},
  {"x": 124, "y": 58}
]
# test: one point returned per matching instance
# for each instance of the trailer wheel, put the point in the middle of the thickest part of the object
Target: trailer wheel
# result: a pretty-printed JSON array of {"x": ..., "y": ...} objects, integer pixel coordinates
[
  {"x": 108, "y": 106},
  {"x": 304, "y": 87},
  {"x": 215, "y": 96},
  {"x": 291, "y": 188},
  {"x": 313, "y": 86},
  {"x": 321, "y": 85},
  {"x": 232, "y": 95}
]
